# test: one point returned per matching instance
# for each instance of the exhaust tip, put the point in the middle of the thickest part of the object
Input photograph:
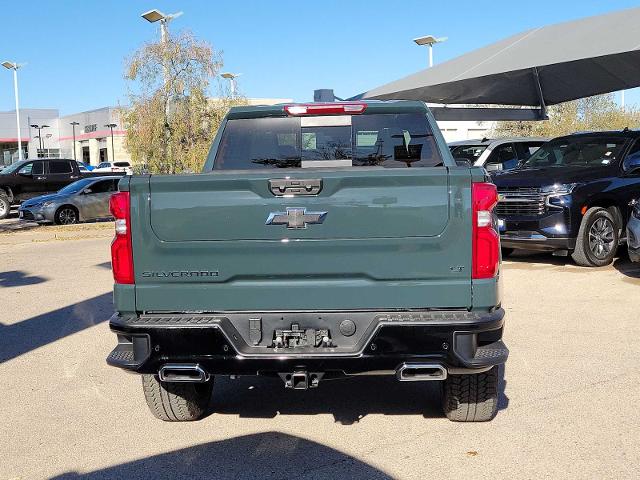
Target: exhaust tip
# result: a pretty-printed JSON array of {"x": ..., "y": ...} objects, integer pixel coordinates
[
  {"x": 421, "y": 372},
  {"x": 183, "y": 372}
]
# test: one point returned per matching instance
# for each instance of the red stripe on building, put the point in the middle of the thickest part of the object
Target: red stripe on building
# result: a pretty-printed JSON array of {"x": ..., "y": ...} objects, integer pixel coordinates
[{"x": 14, "y": 140}]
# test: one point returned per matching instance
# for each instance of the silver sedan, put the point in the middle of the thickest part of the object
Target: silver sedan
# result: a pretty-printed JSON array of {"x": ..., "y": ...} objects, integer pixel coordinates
[{"x": 86, "y": 199}]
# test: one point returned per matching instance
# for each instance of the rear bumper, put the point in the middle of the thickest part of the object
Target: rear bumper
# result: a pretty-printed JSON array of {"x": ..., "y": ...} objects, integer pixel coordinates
[
  {"x": 535, "y": 241},
  {"x": 369, "y": 342}
]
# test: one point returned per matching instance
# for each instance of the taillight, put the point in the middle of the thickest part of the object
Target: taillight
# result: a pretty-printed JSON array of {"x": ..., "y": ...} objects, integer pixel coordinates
[
  {"x": 334, "y": 108},
  {"x": 121, "y": 251},
  {"x": 486, "y": 241}
]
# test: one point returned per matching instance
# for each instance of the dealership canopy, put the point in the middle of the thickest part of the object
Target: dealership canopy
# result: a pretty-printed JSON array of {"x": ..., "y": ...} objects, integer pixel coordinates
[{"x": 539, "y": 67}]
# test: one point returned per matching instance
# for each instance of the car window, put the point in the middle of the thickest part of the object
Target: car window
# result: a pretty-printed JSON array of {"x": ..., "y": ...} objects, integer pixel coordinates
[
  {"x": 468, "y": 152},
  {"x": 578, "y": 152},
  {"x": 60, "y": 167},
  {"x": 104, "y": 165},
  {"x": 33, "y": 168},
  {"x": 103, "y": 186},
  {"x": 503, "y": 157},
  {"x": 121, "y": 164},
  {"x": 387, "y": 140}
]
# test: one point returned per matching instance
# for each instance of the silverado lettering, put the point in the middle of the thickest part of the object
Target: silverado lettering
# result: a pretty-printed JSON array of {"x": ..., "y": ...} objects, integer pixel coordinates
[{"x": 180, "y": 274}]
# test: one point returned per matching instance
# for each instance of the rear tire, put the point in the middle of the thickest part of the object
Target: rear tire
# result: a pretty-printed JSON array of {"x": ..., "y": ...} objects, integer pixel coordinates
[
  {"x": 597, "y": 240},
  {"x": 67, "y": 215},
  {"x": 5, "y": 207},
  {"x": 176, "y": 402},
  {"x": 471, "y": 398}
]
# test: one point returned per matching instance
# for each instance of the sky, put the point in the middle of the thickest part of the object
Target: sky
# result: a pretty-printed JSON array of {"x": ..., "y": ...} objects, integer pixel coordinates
[{"x": 75, "y": 50}]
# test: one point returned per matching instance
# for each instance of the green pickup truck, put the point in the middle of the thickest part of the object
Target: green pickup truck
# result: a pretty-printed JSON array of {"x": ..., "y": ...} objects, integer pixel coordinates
[{"x": 320, "y": 241}]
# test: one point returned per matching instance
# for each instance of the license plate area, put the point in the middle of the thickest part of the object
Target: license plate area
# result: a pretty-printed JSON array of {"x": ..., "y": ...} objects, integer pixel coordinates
[{"x": 297, "y": 337}]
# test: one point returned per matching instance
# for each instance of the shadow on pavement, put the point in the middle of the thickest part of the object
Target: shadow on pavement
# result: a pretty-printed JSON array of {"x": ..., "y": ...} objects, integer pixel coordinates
[
  {"x": 106, "y": 265},
  {"x": 627, "y": 267},
  {"x": 348, "y": 400},
  {"x": 17, "y": 278},
  {"x": 268, "y": 455},
  {"x": 22, "y": 337}
]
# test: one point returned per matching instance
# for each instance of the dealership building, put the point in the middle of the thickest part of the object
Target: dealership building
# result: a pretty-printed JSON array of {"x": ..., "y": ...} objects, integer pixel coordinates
[{"x": 85, "y": 136}]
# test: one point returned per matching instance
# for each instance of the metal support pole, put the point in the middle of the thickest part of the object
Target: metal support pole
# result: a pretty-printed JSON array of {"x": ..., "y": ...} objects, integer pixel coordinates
[
  {"x": 543, "y": 106},
  {"x": 15, "y": 87},
  {"x": 430, "y": 55}
]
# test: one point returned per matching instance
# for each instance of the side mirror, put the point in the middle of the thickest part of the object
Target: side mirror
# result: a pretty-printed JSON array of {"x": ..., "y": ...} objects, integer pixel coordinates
[
  {"x": 493, "y": 167},
  {"x": 631, "y": 164},
  {"x": 462, "y": 162},
  {"x": 25, "y": 174},
  {"x": 87, "y": 191}
]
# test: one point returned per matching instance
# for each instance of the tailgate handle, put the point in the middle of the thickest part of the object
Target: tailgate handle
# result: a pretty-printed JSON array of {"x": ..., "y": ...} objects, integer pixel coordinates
[{"x": 283, "y": 186}]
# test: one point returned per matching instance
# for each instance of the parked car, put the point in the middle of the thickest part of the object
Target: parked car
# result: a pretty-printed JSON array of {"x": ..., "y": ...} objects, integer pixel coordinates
[
  {"x": 496, "y": 154},
  {"x": 115, "y": 167},
  {"x": 84, "y": 167},
  {"x": 30, "y": 178},
  {"x": 633, "y": 230},
  {"x": 322, "y": 255},
  {"x": 572, "y": 196},
  {"x": 81, "y": 201}
]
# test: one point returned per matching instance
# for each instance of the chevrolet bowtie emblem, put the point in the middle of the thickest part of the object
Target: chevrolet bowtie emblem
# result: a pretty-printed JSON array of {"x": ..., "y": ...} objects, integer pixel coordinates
[{"x": 295, "y": 217}]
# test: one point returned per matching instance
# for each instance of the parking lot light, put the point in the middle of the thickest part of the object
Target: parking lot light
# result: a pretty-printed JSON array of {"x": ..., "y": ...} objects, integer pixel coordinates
[
  {"x": 430, "y": 41},
  {"x": 15, "y": 66}
]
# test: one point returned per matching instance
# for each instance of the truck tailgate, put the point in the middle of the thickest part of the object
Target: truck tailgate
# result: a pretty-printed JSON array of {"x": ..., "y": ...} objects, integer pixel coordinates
[{"x": 369, "y": 238}]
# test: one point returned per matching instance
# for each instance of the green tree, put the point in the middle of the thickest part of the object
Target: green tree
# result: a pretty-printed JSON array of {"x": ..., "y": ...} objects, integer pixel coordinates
[
  {"x": 592, "y": 113},
  {"x": 171, "y": 121}
]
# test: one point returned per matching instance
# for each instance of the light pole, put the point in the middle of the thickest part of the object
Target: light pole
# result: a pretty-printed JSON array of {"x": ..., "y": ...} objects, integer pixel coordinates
[
  {"x": 429, "y": 40},
  {"x": 111, "y": 126},
  {"x": 15, "y": 66},
  {"x": 154, "y": 15},
  {"x": 39, "y": 128},
  {"x": 73, "y": 126},
  {"x": 232, "y": 81}
]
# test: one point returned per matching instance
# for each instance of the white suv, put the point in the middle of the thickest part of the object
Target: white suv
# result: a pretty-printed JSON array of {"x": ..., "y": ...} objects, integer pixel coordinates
[
  {"x": 115, "y": 167},
  {"x": 496, "y": 154}
]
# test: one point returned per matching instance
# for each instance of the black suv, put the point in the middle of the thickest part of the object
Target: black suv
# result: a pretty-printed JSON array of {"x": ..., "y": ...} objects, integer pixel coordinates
[{"x": 571, "y": 196}]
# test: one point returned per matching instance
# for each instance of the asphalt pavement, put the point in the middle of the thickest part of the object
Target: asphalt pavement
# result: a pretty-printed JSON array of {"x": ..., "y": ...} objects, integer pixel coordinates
[{"x": 568, "y": 406}]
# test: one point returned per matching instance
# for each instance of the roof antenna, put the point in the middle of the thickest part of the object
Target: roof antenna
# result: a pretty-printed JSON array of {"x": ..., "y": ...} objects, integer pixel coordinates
[{"x": 625, "y": 129}]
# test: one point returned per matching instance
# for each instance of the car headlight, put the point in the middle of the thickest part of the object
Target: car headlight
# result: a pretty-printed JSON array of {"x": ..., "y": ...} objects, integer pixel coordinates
[
  {"x": 559, "y": 188},
  {"x": 559, "y": 194}
]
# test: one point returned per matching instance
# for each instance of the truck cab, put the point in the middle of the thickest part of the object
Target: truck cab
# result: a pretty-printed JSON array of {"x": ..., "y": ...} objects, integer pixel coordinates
[{"x": 320, "y": 241}]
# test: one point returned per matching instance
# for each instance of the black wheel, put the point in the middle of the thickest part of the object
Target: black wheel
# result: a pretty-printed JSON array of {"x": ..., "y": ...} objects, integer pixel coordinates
[
  {"x": 506, "y": 252},
  {"x": 471, "y": 398},
  {"x": 597, "y": 240},
  {"x": 176, "y": 402},
  {"x": 67, "y": 215},
  {"x": 5, "y": 206}
]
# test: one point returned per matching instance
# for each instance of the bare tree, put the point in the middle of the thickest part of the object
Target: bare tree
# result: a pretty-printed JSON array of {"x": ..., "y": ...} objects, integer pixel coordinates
[
  {"x": 593, "y": 113},
  {"x": 171, "y": 121}
]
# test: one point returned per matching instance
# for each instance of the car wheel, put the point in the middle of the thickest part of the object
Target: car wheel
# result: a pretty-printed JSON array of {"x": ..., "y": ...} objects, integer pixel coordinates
[
  {"x": 471, "y": 398},
  {"x": 5, "y": 206},
  {"x": 176, "y": 402},
  {"x": 597, "y": 240},
  {"x": 66, "y": 215}
]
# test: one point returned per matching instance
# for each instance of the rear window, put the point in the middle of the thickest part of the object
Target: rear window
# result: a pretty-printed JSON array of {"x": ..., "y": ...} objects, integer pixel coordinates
[{"x": 384, "y": 140}]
